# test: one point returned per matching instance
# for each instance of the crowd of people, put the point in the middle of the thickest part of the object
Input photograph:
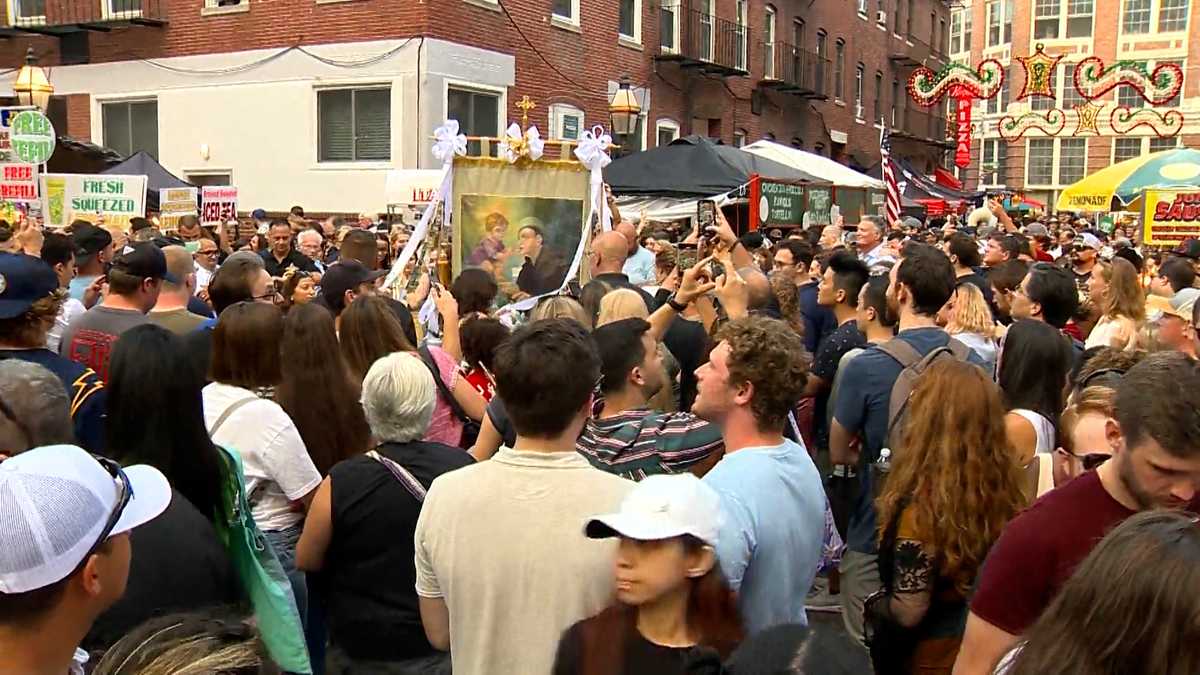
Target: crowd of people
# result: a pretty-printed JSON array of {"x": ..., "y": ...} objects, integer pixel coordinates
[{"x": 231, "y": 451}]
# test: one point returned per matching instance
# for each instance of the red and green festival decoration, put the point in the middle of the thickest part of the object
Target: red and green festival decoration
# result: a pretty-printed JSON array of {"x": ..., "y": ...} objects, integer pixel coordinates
[
  {"x": 1093, "y": 79},
  {"x": 1088, "y": 114},
  {"x": 962, "y": 83},
  {"x": 1014, "y": 128},
  {"x": 1164, "y": 125},
  {"x": 1039, "y": 70}
]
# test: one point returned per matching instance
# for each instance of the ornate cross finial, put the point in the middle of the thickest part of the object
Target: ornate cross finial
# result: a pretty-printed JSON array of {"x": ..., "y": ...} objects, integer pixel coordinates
[{"x": 525, "y": 104}]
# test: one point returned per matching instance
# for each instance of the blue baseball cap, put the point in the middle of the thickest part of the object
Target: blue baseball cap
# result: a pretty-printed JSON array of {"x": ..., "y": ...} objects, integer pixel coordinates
[
  {"x": 24, "y": 280},
  {"x": 258, "y": 214}
]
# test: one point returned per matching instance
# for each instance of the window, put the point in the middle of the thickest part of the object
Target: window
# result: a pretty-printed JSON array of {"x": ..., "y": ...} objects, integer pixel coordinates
[
  {"x": 739, "y": 137},
  {"x": 209, "y": 178},
  {"x": 566, "y": 122},
  {"x": 1136, "y": 18},
  {"x": 933, "y": 43},
  {"x": 130, "y": 126},
  {"x": 665, "y": 131},
  {"x": 1174, "y": 102},
  {"x": 1079, "y": 18},
  {"x": 939, "y": 45},
  {"x": 1070, "y": 95},
  {"x": 567, "y": 10},
  {"x": 999, "y": 26},
  {"x": 799, "y": 35},
  {"x": 859, "y": 110},
  {"x": 1039, "y": 153},
  {"x": 1009, "y": 13},
  {"x": 1072, "y": 160},
  {"x": 862, "y": 7},
  {"x": 1126, "y": 148},
  {"x": 707, "y": 19},
  {"x": 1172, "y": 15},
  {"x": 477, "y": 112},
  {"x": 822, "y": 60},
  {"x": 354, "y": 125},
  {"x": 999, "y": 103},
  {"x": 1046, "y": 19},
  {"x": 668, "y": 30},
  {"x": 225, "y": 3},
  {"x": 121, "y": 9},
  {"x": 769, "y": 44},
  {"x": 797, "y": 142},
  {"x": 992, "y": 167},
  {"x": 1043, "y": 102},
  {"x": 1161, "y": 144},
  {"x": 839, "y": 65},
  {"x": 908, "y": 25},
  {"x": 26, "y": 11},
  {"x": 878, "y": 97},
  {"x": 897, "y": 106},
  {"x": 740, "y": 33},
  {"x": 629, "y": 20},
  {"x": 1129, "y": 96},
  {"x": 967, "y": 22},
  {"x": 956, "y": 30},
  {"x": 896, "y": 18}
]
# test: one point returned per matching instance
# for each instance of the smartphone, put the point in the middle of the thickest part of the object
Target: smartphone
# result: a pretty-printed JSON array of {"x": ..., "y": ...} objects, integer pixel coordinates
[
  {"x": 706, "y": 214},
  {"x": 686, "y": 256}
]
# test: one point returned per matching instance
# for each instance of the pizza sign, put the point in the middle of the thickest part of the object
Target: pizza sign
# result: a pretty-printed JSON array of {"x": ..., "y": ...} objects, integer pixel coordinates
[{"x": 962, "y": 122}]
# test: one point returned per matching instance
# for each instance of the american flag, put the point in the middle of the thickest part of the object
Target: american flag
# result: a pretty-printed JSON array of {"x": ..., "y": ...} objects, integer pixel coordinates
[{"x": 892, "y": 200}]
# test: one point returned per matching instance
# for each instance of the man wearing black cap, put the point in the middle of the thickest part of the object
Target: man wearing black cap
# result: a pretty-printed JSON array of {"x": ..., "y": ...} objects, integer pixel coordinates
[
  {"x": 134, "y": 283},
  {"x": 93, "y": 250},
  {"x": 30, "y": 299},
  {"x": 345, "y": 281}
]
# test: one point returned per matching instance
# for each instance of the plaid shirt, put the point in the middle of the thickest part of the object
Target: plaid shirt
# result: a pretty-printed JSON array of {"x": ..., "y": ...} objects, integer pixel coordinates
[{"x": 640, "y": 442}]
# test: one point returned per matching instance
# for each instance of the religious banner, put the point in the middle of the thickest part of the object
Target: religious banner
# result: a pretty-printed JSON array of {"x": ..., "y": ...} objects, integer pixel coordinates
[
  {"x": 19, "y": 183},
  {"x": 218, "y": 204},
  {"x": 962, "y": 152},
  {"x": 175, "y": 203},
  {"x": 524, "y": 222},
  {"x": 1171, "y": 216},
  {"x": 105, "y": 199}
]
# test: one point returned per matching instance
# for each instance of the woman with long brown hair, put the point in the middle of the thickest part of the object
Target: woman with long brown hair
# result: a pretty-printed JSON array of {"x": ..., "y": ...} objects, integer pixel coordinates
[
  {"x": 1131, "y": 606},
  {"x": 1116, "y": 291},
  {"x": 317, "y": 390},
  {"x": 953, "y": 485},
  {"x": 671, "y": 596}
]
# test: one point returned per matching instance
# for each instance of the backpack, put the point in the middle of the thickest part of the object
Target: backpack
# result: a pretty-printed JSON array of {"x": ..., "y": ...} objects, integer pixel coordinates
[{"x": 914, "y": 366}]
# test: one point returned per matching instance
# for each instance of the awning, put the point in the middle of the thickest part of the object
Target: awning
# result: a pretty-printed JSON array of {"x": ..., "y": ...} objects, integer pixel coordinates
[{"x": 817, "y": 165}]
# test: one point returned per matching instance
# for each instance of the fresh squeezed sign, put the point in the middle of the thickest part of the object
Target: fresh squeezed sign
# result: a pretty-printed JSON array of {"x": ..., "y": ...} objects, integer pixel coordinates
[
  {"x": 1171, "y": 216},
  {"x": 108, "y": 198},
  {"x": 19, "y": 183},
  {"x": 781, "y": 204},
  {"x": 219, "y": 204}
]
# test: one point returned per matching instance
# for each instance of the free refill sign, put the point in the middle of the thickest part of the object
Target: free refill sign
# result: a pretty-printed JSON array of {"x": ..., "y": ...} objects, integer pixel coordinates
[{"x": 19, "y": 183}]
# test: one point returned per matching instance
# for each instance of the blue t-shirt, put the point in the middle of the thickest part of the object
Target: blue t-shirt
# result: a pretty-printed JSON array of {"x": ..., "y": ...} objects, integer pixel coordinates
[
  {"x": 818, "y": 321},
  {"x": 862, "y": 409},
  {"x": 770, "y": 542}
]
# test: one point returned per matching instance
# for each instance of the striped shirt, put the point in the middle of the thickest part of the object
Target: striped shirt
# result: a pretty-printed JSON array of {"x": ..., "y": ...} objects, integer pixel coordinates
[{"x": 638, "y": 443}]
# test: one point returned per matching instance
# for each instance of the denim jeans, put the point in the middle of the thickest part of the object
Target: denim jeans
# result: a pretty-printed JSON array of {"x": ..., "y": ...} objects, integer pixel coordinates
[{"x": 283, "y": 542}]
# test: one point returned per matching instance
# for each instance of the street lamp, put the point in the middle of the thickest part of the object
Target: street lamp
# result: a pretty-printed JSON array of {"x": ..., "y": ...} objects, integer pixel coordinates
[
  {"x": 624, "y": 110},
  {"x": 31, "y": 86}
]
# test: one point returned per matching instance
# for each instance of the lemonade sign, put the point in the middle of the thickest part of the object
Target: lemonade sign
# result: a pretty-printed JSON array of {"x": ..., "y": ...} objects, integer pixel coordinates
[{"x": 32, "y": 137}]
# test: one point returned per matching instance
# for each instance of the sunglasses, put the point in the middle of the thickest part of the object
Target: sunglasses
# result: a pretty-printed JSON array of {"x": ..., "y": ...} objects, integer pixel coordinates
[{"x": 124, "y": 495}]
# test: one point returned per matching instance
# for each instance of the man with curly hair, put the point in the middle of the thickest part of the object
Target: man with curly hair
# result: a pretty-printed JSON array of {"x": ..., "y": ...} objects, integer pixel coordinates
[{"x": 772, "y": 501}]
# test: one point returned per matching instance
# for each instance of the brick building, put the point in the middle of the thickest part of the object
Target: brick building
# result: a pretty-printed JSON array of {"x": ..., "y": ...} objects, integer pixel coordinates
[
  {"x": 314, "y": 101},
  {"x": 1151, "y": 31}
]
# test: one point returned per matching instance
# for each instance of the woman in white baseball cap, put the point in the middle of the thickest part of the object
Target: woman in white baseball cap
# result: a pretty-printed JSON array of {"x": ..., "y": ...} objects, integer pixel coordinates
[{"x": 671, "y": 597}]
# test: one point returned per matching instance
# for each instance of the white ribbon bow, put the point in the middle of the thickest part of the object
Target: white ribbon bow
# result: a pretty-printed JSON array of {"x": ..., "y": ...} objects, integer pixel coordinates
[
  {"x": 448, "y": 142},
  {"x": 593, "y": 148},
  {"x": 515, "y": 146}
]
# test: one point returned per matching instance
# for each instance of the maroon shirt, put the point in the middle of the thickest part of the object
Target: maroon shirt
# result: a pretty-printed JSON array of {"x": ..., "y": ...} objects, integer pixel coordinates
[{"x": 1040, "y": 549}]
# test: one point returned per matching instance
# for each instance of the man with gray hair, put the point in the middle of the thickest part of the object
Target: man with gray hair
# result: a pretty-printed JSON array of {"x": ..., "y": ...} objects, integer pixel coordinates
[
  {"x": 34, "y": 410},
  {"x": 872, "y": 249},
  {"x": 309, "y": 242},
  {"x": 374, "y": 621}
]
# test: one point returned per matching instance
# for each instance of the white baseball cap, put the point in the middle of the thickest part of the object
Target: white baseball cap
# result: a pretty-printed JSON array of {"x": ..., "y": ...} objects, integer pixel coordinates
[
  {"x": 662, "y": 507},
  {"x": 56, "y": 503}
]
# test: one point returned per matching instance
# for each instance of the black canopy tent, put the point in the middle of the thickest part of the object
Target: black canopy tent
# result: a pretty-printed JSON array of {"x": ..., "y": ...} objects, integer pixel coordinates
[
  {"x": 692, "y": 167},
  {"x": 157, "y": 178}
]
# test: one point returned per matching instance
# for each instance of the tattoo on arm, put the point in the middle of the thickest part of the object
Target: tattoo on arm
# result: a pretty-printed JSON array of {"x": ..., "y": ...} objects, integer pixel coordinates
[{"x": 913, "y": 568}]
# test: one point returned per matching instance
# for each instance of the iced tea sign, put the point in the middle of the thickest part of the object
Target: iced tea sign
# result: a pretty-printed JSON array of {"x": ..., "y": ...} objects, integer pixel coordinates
[
  {"x": 218, "y": 204},
  {"x": 31, "y": 136}
]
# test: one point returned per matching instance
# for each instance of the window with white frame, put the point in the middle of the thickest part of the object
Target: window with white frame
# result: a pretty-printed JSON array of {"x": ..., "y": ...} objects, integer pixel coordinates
[
  {"x": 1126, "y": 148},
  {"x": 566, "y": 122},
  {"x": 668, "y": 31},
  {"x": 941, "y": 45},
  {"x": 1072, "y": 160},
  {"x": 1046, "y": 19},
  {"x": 1160, "y": 144},
  {"x": 477, "y": 112},
  {"x": 908, "y": 20},
  {"x": 225, "y": 3},
  {"x": 1136, "y": 17},
  {"x": 629, "y": 20},
  {"x": 839, "y": 69},
  {"x": 201, "y": 178},
  {"x": 354, "y": 125},
  {"x": 956, "y": 30},
  {"x": 741, "y": 10},
  {"x": 708, "y": 17},
  {"x": 27, "y": 11},
  {"x": 1044, "y": 102},
  {"x": 1039, "y": 157},
  {"x": 566, "y": 10},
  {"x": 896, "y": 20},
  {"x": 665, "y": 131},
  {"x": 859, "y": 111},
  {"x": 1127, "y": 95},
  {"x": 878, "y": 97},
  {"x": 769, "y": 70},
  {"x": 992, "y": 169},
  {"x": 130, "y": 126},
  {"x": 1070, "y": 95},
  {"x": 1172, "y": 16},
  {"x": 822, "y": 54},
  {"x": 999, "y": 24},
  {"x": 1079, "y": 18},
  {"x": 121, "y": 9},
  {"x": 999, "y": 103},
  {"x": 1177, "y": 99},
  {"x": 862, "y": 7},
  {"x": 739, "y": 137}
]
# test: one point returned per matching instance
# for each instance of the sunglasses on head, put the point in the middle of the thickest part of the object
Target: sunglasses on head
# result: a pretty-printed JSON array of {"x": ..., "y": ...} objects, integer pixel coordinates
[{"x": 124, "y": 495}]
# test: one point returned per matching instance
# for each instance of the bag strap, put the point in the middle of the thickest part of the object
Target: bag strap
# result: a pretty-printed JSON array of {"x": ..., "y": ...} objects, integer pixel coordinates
[
  {"x": 402, "y": 475},
  {"x": 898, "y": 348},
  {"x": 229, "y": 411},
  {"x": 427, "y": 358}
]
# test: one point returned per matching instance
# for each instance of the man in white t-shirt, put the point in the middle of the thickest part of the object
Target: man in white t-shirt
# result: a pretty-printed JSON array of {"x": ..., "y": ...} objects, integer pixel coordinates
[{"x": 503, "y": 566}]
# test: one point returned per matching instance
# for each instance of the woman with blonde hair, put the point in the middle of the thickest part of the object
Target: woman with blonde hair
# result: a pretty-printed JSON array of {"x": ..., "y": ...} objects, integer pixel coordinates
[
  {"x": 561, "y": 307},
  {"x": 1115, "y": 289},
  {"x": 622, "y": 303},
  {"x": 969, "y": 319},
  {"x": 953, "y": 485},
  {"x": 213, "y": 641}
]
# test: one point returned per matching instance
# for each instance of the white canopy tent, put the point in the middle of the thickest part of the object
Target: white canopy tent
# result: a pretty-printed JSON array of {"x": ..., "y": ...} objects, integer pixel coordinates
[
  {"x": 821, "y": 167},
  {"x": 664, "y": 209}
]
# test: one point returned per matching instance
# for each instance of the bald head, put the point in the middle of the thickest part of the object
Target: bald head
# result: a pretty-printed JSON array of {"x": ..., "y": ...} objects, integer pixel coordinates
[
  {"x": 180, "y": 266},
  {"x": 627, "y": 229},
  {"x": 612, "y": 249}
]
